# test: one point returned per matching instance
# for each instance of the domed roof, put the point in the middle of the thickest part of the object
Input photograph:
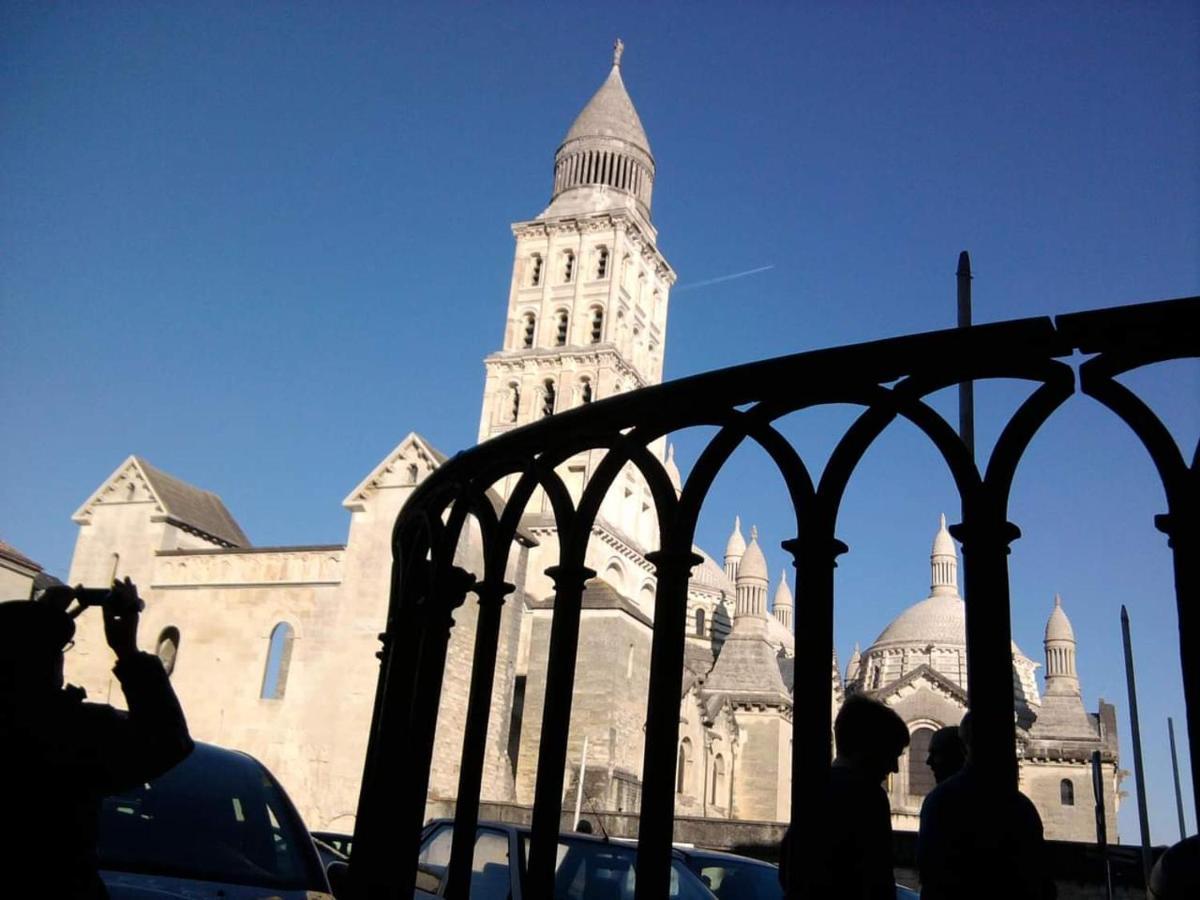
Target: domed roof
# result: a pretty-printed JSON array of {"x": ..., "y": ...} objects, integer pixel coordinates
[
  {"x": 939, "y": 619},
  {"x": 610, "y": 114},
  {"x": 736, "y": 544},
  {"x": 754, "y": 564},
  {"x": 1058, "y": 626},
  {"x": 783, "y": 593}
]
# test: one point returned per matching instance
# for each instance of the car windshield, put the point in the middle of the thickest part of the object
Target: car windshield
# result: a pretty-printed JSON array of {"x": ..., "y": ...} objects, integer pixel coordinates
[
  {"x": 732, "y": 879},
  {"x": 215, "y": 817},
  {"x": 589, "y": 870}
]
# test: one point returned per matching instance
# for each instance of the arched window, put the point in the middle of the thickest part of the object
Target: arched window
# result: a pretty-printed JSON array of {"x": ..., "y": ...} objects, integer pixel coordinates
[
  {"x": 530, "y": 323},
  {"x": 597, "y": 324},
  {"x": 685, "y": 762},
  {"x": 629, "y": 664},
  {"x": 602, "y": 263},
  {"x": 585, "y": 391},
  {"x": 1066, "y": 792},
  {"x": 548, "y": 398},
  {"x": 535, "y": 270},
  {"x": 920, "y": 776},
  {"x": 167, "y": 648},
  {"x": 568, "y": 266},
  {"x": 560, "y": 325},
  {"x": 514, "y": 408},
  {"x": 700, "y": 622},
  {"x": 718, "y": 781},
  {"x": 279, "y": 656}
]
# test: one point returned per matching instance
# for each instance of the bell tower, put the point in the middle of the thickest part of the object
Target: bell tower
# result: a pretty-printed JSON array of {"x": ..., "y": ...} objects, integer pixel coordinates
[{"x": 587, "y": 305}]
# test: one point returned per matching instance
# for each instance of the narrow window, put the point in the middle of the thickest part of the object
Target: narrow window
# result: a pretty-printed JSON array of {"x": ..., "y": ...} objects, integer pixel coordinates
[
  {"x": 167, "y": 648},
  {"x": 700, "y": 622},
  {"x": 685, "y": 762},
  {"x": 585, "y": 393},
  {"x": 920, "y": 776},
  {"x": 1066, "y": 792},
  {"x": 535, "y": 271},
  {"x": 515, "y": 407},
  {"x": 718, "y": 781},
  {"x": 530, "y": 330},
  {"x": 560, "y": 334},
  {"x": 279, "y": 656},
  {"x": 602, "y": 263},
  {"x": 413, "y": 473},
  {"x": 597, "y": 325},
  {"x": 548, "y": 399},
  {"x": 629, "y": 664},
  {"x": 568, "y": 266}
]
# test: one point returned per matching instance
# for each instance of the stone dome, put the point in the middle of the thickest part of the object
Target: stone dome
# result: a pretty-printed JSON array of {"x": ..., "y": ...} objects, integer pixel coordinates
[
  {"x": 1058, "y": 626},
  {"x": 754, "y": 564},
  {"x": 935, "y": 620},
  {"x": 783, "y": 593}
]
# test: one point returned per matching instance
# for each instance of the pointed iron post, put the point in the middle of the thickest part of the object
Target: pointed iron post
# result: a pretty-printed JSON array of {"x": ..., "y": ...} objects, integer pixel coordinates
[
  {"x": 1175, "y": 772},
  {"x": 966, "y": 389},
  {"x": 1138, "y": 772}
]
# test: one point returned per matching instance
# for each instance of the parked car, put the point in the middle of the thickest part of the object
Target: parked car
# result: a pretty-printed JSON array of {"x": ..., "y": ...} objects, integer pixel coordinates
[
  {"x": 339, "y": 841},
  {"x": 216, "y": 825},
  {"x": 587, "y": 867}
]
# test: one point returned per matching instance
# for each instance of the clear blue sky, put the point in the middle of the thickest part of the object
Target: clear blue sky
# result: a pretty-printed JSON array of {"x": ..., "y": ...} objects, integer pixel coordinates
[{"x": 259, "y": 243}]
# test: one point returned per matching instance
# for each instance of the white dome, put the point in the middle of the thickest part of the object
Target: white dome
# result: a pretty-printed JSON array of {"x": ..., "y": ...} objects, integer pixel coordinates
[
  {"x": 943, "y": 543},
  {"x": 754, "y": 564},
  {"x": 936, "y": 620},
  {"x": 1058, "y": 626},
  {"x": 783, "y": 593}
]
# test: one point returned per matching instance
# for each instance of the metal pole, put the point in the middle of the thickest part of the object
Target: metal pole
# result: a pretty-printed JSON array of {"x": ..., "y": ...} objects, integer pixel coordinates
[
  {"x": 1175, "y": 772},
  {"x": 966, "y": 389},
  {"x": 1138, "y": 772},
  {"x": 579, "y": 789},
  {"x": 1101, "y": 823}
]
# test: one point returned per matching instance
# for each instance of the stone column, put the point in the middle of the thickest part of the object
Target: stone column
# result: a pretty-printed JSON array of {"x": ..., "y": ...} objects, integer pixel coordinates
[
  {"x": 556, "y": 722},
  {"x": 470, "y": 779},
  {"x": 672, "y": 571}
]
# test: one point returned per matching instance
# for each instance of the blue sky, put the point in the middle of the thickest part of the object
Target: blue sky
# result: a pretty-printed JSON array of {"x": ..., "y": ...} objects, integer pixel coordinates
[{"x": 258, "y": 244}]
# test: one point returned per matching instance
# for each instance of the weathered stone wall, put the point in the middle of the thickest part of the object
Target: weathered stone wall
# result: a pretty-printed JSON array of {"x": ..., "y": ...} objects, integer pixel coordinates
[
  {"x": 1041, "y": 781},
  {"x": 762, "y": 765}
]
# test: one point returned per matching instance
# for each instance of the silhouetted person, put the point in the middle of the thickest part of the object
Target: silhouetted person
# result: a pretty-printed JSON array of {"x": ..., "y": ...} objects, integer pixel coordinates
[
  {"x": 1176, "y": 875},
  {"x": 849, "y": 845},
  {"x": 59, "y": 755},
  {"x": 947, "y": 754},
  {"x": 584, "y": 827},
  {"x": 980, "y": 840}
]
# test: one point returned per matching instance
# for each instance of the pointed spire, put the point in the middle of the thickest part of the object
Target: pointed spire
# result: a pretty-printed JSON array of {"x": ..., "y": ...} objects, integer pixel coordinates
[
  {"x": 943, "y": 563},
  {"x": 1061, "y": 676},
  {"x": 673, "y": 470},
  {"x": 735, "y": 547},
  {"x": 618, "y": 50},
  {"x": 853, "y": 666}
]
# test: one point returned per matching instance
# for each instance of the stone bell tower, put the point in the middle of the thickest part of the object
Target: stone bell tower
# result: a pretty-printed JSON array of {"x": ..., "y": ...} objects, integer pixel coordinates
[{"x": 587, "y": 306}]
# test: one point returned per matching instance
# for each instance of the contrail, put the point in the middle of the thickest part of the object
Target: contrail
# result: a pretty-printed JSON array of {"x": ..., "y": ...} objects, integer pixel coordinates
[{"x": 699, "y": 284}]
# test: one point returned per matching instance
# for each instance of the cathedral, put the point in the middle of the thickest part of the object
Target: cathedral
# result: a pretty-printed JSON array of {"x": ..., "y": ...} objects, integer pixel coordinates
[{"x": 272, "y": 649}]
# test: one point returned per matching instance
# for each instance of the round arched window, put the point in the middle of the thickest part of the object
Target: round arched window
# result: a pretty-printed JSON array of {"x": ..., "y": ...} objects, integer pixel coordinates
[{"x": 167, "y": 648}]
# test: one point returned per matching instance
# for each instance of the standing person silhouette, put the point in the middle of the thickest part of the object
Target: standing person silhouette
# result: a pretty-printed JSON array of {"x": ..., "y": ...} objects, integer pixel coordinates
[
  {"x": 851, "y": 843},
  {"x": 59, "y": 756},
  {"x": 947, "y": 755},
  {"x": 976, "y": 840}
]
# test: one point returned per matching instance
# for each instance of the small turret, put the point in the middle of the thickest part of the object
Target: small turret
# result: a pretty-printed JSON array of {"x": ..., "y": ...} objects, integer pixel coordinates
[
  {"x": 853, "y": 666},
  {"x": 943, "y": 563},
  {"x": 783, "y": 603},
  {"x": 734, "y": 548},
  {"x": 752, "y": 581},
  {"x": 1061, "y": 677}
]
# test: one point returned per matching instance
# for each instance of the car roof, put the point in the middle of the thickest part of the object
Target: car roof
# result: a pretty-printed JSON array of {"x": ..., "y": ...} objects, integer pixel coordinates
[{"x": 698, "y": 852}]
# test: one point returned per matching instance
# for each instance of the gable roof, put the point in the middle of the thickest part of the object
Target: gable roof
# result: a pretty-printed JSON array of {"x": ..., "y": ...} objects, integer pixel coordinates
[
  {"x": 183, "y": 504},
  {"x": 927, "y": 673},
  {"x": 13, "y": 555}
]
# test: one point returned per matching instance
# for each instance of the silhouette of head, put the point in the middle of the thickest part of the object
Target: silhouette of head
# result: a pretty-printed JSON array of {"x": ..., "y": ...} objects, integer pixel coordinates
[
  {"x": 584, "y": 827},
  {"x": 964, "y": 734},
  {"x": 870, "y": 737},
  {"x": 946, "y": 753},
  {"x": 33, "y": 636}
]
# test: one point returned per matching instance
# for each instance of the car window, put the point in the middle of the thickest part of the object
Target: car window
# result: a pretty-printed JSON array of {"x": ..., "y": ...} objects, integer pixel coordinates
[
  {"x": 730, "y": 881},
  {"x": 489, "y": 863},
  {"x": 600, "y": 870},
  {"x": 214, "y": 817}
]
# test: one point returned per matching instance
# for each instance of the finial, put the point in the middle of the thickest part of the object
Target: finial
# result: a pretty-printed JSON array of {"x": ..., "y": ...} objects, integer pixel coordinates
[
  {"x": 942, "y": 523},
  {"x": 783, "y": 576},
  {"x": 737, "y": 523},
  {"x": 670, "y": 452},
  {"x": 754, "y": 532},
  {"x": 618, "y": 49},
  {"x": 964, "y": 264},
  {"x": 1057, "y": 600}
]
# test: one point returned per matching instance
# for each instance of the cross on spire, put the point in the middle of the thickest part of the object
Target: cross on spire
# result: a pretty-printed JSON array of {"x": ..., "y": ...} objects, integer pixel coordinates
[{"x": 618, "y": 49}]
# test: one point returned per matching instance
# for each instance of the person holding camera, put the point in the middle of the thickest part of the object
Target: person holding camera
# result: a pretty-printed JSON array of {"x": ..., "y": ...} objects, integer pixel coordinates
[{"x": 60, "y": 756}]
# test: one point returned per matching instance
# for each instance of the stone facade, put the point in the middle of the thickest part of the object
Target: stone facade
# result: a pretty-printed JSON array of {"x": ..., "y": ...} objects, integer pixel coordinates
[{"x": 272, "y": 649}]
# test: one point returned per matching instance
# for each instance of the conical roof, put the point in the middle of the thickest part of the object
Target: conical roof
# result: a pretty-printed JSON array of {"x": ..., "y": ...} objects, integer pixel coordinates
[
  {"x": 736, "y": 545},
  {"x": 673, "y": 470},
  {"x": 754, "y": 564},
  {"x": 783, "y": 594},
  {"x": 943, "y": 543},
  {"x": 610, "y": 114},
  {"x": 1058, "y": 626}
]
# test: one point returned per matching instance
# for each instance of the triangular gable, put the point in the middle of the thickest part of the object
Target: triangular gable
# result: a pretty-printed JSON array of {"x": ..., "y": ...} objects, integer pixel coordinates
[
  {"x": 393, "y": 470},
  {"x": 927, "y": 675},
  {"x": 183, "y": 504}
]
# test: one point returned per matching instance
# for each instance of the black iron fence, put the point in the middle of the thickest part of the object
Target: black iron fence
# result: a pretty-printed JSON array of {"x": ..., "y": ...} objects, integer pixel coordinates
[{"x": 888, "y": 380}]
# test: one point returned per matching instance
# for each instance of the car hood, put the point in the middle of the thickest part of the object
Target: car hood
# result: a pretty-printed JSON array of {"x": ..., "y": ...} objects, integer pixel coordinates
[{"x": 133, "y": 886}]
